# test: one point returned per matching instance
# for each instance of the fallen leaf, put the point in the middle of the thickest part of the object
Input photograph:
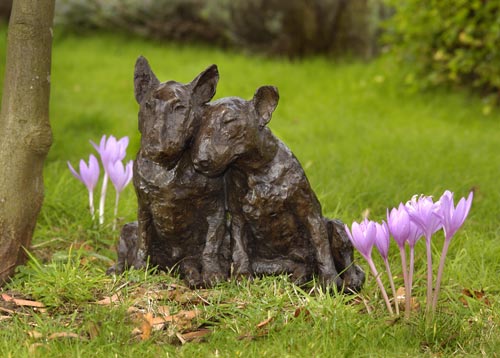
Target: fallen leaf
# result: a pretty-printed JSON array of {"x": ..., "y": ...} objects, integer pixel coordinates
[
  {"x": 21, "y": 302},
  {"x": 163, "y": 310},
  {"x": 6, "y": 310},
  {"x": 160, "y": 320},
  {"x": 477, "y": 295},
  {"x": 108, "y": 300},
  {"x": 401, "y": 300},
  {"x": 146, "y": 326},
  {"x": 65, "y": 335},
  {"x": 196, "y": 335},
  {"x": 35, "y": 334},
  {"x": 264, "y": 322},
  {"x": 301, "y": 311},
  {"x": 180, "y": 338},
  {"x": 189, "y": 315},
  {"x": 133, "y": 309}
]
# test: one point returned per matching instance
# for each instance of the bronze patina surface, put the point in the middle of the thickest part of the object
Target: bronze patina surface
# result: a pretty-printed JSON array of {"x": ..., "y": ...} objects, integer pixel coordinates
[
  {"x": 216, "y": 189},
  {"x": 276, "y": 220}
]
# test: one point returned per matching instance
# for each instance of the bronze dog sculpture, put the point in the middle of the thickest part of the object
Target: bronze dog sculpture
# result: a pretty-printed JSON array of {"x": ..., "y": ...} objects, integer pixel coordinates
[
  {"x": 181, "y": 213},
  {"x": 276, "y": 221}
]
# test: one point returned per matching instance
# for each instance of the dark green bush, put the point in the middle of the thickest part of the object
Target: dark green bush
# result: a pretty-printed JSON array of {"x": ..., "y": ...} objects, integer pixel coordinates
[{"x": 454, "y": 42}]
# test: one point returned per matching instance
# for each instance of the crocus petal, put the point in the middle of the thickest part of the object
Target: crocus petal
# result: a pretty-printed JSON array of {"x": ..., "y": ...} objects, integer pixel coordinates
[
  {"x": 360, "y": 240},
  {"x": 93, "y": 175},
  {"x": 382, "y": 241},
  {"x": 421, "y": 212},
  {"x": 414, "y": 234},
  {"x": 398, "y": 222},
  {"x": 120, "y": 176},
  {"x": 111, "y": 150},
  {"x": 89, "y": 174},
  {"x": 453, "y": 218},
  {"x": 74, "y": 172},
  {"x": 122, "y": 148}
]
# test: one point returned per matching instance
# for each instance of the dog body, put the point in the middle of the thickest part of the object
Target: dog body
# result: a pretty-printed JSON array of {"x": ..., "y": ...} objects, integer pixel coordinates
[
  {"x": 181, "y": 213},
  {"x": 276, "y": 220}
]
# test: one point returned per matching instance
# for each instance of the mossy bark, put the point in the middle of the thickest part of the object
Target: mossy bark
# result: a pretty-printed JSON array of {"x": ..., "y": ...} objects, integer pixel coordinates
[{"x": 25, "y": 130}]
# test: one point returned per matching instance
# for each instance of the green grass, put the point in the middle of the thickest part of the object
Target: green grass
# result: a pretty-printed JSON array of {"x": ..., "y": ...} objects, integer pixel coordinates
[{"x": 367, "y": 143}]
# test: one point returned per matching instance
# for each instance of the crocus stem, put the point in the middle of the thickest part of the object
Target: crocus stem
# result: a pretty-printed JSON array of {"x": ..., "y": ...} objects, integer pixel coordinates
[
  {"x": 429, "y": 274},
  {"x": 117, "y": 198},
  {"x": 440, "y": 273},
  {"x": 91, "y": 204},
  {"x": 380, "y": 286},
  {"x": 391, "y": 281},
  {"x": 103, "y": 198},
  {"x": 410, "y": 281},
  {"x": 402, "y": 252}
]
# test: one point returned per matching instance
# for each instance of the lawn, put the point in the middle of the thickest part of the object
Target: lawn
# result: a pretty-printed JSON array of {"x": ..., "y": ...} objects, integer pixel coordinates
[{"x": 367, "y": 143}]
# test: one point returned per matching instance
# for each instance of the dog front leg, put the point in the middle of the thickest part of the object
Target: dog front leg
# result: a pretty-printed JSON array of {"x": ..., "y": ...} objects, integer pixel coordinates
[{"x": 211, "y": 268}]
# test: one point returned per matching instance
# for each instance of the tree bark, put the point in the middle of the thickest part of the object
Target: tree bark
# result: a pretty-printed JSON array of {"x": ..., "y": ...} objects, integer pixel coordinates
[{"x": 25, "y": 133}]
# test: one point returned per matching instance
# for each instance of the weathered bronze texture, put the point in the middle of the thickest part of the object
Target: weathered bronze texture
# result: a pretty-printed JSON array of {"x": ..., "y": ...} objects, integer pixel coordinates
[
  {"x": 276, "y": 220},
  {"x": 181, "y": 213},
  {"x": 126, "y": 249},
  {"x": 216, "y": 188}
]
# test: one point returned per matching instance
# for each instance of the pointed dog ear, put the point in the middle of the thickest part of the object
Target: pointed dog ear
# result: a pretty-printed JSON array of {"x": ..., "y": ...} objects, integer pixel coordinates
[
  {"x": 204, "y": 85},
  {"x": 265, "y": 101},
  {"x": 144, "y": 79}
]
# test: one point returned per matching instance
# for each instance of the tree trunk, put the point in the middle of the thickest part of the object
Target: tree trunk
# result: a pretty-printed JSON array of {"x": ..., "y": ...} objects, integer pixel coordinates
[{"x": 24, "y": 128}]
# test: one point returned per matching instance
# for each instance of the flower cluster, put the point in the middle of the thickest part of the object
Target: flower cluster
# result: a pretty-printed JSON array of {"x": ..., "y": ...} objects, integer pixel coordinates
[
  {"x": 419, "y": 217},
  {"x": 112, "y": 152}
]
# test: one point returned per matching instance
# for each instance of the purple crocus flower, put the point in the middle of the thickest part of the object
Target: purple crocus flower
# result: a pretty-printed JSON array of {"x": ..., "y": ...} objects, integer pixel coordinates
[
  {"x": 89, "y": 175},
  {"x": 398, "y": 222},
  {"x": 422, "y": 211},
  {"x": 110, "y": 151},
  {"x": 382, "y": 242},
  {"x": 363, "y": 237},
  {"x": 120, "y": 176},
  {"x": 452, "y": 219}
]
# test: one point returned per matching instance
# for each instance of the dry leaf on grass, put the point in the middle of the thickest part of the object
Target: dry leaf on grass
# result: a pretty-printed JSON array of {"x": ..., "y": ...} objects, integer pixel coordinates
[
  {"x": 35, "y": 334},
  {"x": 163, "y": 310},
  {"x": 58, "y": 335},
  {"x": 264, "y": 322},
  {"x": 301, "y": 311},
  {"x": 108, "y": 300},
  {"x": 6, "y": 310},
  {"x": 401, "y": 300},
  {"x": 21, "y": 302},
  {"x": 146, "y": 326},
  {"x": 196, "y": 335},
  {"x": 477, "y": 295},
  {"x": 182, "y": 321}
]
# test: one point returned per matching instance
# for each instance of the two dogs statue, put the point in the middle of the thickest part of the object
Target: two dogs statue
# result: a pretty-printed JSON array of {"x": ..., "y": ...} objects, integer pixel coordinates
[{"x": 219, "y": 195}]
